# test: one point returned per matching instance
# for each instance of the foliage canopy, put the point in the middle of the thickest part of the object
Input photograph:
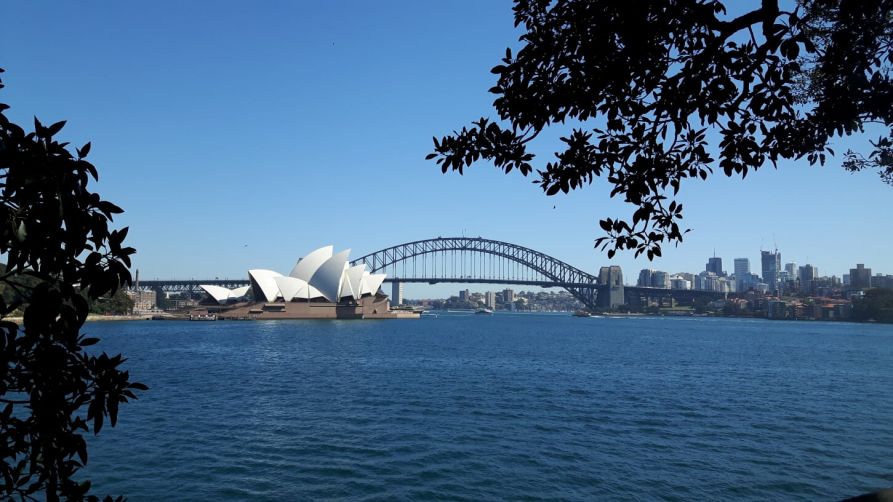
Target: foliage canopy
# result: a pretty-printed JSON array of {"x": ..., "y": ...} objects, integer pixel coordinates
[
  {"x": 61, "y": 254},
  {"x": 876, "y": 305},
  {"x": 668, "y": 91}
]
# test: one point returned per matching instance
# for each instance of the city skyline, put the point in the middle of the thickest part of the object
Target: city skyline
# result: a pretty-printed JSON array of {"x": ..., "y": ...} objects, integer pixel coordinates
[{"x": 270, "y": 102}]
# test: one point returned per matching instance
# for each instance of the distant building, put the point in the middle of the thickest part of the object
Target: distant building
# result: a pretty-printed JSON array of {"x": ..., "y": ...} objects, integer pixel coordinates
[
  {"x": 464, "y": 295},
  {"x": 508, "y": 295},
  {"x": 705, "y": 281},
  {"x": 742, "y": 274},
  {"x": 645, "y": 278},
  {"x": 846, "y": 279},
  {"x": 709, "y": 281},
  {"x": 679, "y": 283},
  {"x": 771, "y": 263},
  {"x": 715, "y": 265},
  {"x": 397, "y": 293},
  {"x": 791, "y": 270},
  {"x": 860, "y": 277},
  {"x": 687, "y": 276},
  {"x": 143, "y": 299},
  {"x": 882, "y": 281},
  {"x": 660, "y": 279},
  {"x": 490, "y": 300},
  {"x": 808, "y": 276}
]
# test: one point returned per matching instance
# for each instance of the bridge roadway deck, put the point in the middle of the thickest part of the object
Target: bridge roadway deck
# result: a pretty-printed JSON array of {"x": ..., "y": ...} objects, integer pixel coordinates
[{"x": 629, "y": 291}]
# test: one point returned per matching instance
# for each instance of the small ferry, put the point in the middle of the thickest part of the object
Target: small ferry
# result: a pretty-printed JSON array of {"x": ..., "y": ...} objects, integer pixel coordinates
[
  {"x": 484, "y": 311},
  {"x": 203, "y": 317}
]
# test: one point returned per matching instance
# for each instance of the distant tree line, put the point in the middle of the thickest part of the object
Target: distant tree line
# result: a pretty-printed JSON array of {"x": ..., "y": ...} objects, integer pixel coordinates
[{"x": 117, "y": 303}]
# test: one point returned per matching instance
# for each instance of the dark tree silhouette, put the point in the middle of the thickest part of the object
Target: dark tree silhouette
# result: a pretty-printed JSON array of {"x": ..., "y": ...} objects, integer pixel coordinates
[
  {"x": 664, "y": 91},
  {"x": 56, "y": 239}
]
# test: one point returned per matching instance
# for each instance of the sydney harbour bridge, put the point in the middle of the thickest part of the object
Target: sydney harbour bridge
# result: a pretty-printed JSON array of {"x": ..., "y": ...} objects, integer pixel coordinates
[{"x": 485, "y": 261}]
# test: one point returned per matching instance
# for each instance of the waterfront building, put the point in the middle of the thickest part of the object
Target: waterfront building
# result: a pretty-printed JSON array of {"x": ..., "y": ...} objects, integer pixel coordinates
[
  {"x": 322, "y": 284},
  {"x": 860, "y": 277},
  {"x": 508, "y": 295},
  {"x": 490, "y": 300},
  {"x": 143, "y": 299},
  {"x": 464, "y": 295}
]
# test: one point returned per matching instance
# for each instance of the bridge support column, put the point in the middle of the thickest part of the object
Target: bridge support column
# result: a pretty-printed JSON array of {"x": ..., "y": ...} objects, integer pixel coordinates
[{"x": 610, "y": 296}]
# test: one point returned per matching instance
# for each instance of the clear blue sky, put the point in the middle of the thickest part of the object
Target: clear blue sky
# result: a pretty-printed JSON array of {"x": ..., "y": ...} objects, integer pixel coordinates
[{"x": 285, "y": 126}]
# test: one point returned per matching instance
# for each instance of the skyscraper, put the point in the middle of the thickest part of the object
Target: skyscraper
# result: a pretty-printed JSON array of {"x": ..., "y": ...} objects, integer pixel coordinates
[
  {"x": 742, "y": 274},
  {"x": 714, "y": 265},
  {"x": 808, "y": 274},
  {"x": 771, "y": 265},
  {"x": 396, "y": 293}
]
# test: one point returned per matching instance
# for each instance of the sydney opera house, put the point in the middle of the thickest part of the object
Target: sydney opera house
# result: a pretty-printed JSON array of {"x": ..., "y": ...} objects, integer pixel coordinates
[{"x": 322, "y": 285}]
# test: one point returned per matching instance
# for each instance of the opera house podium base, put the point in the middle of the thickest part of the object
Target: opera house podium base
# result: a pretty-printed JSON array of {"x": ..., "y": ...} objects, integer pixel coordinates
[{"x": 368, "y": 307}]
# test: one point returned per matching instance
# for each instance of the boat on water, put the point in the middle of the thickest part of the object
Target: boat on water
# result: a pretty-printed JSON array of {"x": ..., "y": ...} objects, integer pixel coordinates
[
  {"x": 484, "y": 311},
  {"x": 582, "y": 313},
  {"x": 203, "y": 317}
]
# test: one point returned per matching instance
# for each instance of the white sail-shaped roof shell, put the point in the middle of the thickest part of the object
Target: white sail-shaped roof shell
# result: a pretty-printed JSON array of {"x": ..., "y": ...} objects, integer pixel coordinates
[
  {"x": 346, "y": 290},
  {"x": 371, "y": 283},
  {"x": 218, "y": 293},
  {"x": 327, "y": 278},
  {"x": 266, "y": 282},
  {"x": 308, "y": 265},
  {"x": 291, "y": 288},
  {"x": 353, "y": 278},
  {"x": 222, "y": 295}
]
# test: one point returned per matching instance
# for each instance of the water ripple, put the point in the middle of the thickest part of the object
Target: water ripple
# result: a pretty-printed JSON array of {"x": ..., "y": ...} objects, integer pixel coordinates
[{"x": 507, "y": 407}]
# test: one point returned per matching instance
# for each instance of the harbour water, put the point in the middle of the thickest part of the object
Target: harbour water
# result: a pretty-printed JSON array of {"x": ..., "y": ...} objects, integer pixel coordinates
[{"x": 502, "y": 407}]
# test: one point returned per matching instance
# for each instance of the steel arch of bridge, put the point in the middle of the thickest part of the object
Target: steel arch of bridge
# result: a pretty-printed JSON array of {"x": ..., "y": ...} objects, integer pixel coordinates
[{"x": 542, "y": 269}]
